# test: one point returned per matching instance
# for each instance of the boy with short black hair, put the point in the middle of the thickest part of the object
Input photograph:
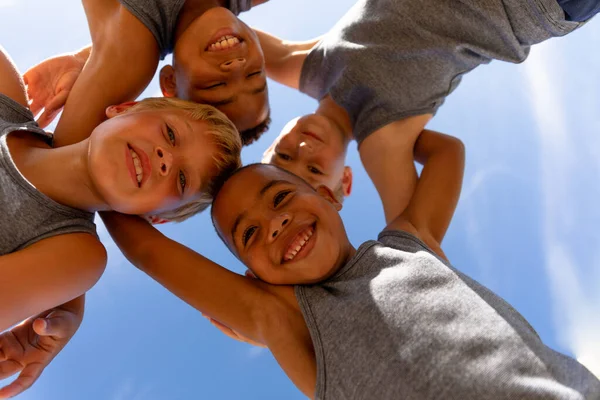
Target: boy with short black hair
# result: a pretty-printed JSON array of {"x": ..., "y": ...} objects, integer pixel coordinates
[
  {"x": 217, "y": 60},
  {"x": 391, "y": 319}
]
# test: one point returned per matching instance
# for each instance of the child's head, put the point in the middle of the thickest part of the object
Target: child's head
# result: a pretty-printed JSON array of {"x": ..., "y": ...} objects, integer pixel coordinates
[
  {"x": 314, "y": 148},
  {"x": 161, "y": 157},
  {"x": 281, "y": 228},
  {"x": 218, "y": 60}
]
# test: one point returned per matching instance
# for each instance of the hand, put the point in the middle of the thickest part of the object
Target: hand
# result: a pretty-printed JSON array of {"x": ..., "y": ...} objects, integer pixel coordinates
[
  {"x": 29, "y": 347},
  {"x": 49, "y": 83},
  {"x": 231, "y": 333}
]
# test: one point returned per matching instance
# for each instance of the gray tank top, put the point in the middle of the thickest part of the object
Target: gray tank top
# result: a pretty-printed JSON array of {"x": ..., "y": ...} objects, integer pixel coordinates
[
  {"x": 397, "y": 322},
  {"x": 160, "y": 17},
  {"x": 386, "y": 60},
  {"x": 27, "y": 215}
]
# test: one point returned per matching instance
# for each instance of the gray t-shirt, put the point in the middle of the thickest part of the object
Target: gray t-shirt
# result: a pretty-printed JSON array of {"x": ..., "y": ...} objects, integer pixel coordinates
[
  {"x": 160, "y": 17},
  {"x": 28, "y": 215},
  {"x": 397, "y": 322},
  {"x": 386, "y": 60}
]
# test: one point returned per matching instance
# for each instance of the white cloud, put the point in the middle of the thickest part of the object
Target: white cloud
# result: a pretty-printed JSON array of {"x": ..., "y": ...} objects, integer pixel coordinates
[
  {"x": 565, "y": 162},
  {"x": 7, "y": 3}
]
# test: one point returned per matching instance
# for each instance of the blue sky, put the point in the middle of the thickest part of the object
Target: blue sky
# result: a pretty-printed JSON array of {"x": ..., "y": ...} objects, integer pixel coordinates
[{"x": 526, "y": 225}]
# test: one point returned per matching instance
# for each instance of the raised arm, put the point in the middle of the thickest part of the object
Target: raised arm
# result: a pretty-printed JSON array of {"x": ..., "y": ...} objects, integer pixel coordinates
[
  {"x": 233, "y": 299},
  {"x": 48, "y": 273},
  {"x": 435, "y": 198},
  {"x": 265, "y": 313},
  {"x": 388, "y": 157},
  {"x": 283, "y": 58},
  {"x": 122, "y": 62}
]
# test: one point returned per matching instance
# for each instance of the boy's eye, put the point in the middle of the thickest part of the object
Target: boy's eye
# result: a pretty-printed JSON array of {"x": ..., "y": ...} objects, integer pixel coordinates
[
  {"x": 182, "y": 180},
  {"x": 279, "y": 197},
  {"x": 248, "y": 234},
  {"x": 171, "y": 135},
  {"x": 253, "y": 74},
  {"x": 284, "y": 156},
  {"x": 315, "y": 171}
]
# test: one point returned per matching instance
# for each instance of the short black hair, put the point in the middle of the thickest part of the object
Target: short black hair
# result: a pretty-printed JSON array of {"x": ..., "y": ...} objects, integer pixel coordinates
[{"x": 251, "y": 135}]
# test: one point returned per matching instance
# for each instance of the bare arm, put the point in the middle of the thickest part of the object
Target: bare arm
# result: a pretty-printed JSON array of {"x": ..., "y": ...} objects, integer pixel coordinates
[
  {"x": 48, "y": 273},
  {"x": 11, "y": 84},
  {"x": 387, "y": 155},
  {"x": 264, "y": 313},
  {"x": 122, "y": 62},
  {"x": 435, "y": 198},
  {"x": 283, "y": 58}
]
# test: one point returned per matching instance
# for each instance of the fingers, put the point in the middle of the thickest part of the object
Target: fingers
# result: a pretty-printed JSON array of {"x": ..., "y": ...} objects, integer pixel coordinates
[
  {"x": 29, "y": 375},
  {"x": 53, "y": 108},
  {"x": 59, "y": 324},
  {"x": 9, "y": 368}
]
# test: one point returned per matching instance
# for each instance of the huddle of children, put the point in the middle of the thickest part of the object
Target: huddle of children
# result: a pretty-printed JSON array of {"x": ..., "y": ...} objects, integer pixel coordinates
[{"x": 390, "y": 319}]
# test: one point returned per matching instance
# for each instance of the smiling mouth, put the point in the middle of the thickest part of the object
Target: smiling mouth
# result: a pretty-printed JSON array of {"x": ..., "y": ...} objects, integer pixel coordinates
[
  {"x": 225, "y": 42},
  {"x": 298, "y": 243},
  {"x": 137, "y": 164}
]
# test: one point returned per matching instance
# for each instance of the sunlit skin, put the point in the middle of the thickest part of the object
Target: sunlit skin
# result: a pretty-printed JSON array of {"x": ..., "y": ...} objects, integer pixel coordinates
[
  {"x": 175, "y": 152},
  {"x": 314, "y": 148},
  {"x": 232, "y": 79},
  {"x": 263, "y": 211}
]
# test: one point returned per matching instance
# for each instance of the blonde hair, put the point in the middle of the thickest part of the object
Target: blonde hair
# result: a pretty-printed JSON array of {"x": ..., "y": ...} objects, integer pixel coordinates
[{"x": 223, "y": 134}]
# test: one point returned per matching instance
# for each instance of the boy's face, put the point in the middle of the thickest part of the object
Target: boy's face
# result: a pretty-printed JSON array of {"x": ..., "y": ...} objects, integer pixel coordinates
[
  {"x": 313, "y": 148},
  {"x": 149, "y": 161},
  {"x": 280, "y": 227},
  {"x": 218, "y": 61}
]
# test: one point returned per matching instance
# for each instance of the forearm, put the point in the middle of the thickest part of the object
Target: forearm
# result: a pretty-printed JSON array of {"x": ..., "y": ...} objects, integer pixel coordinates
[
  {"x": 46, "y": 274},
  {"x": 440, "y": 183},
  {"x": 388, "y": 157},
  {"x": 120, "y": 66},
  {"x": 232, "y": 299},
  {"x": 284, "y": 59}
]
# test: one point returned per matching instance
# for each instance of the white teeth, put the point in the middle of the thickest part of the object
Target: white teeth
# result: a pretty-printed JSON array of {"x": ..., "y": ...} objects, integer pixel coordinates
[
  {"x": 137, "y": 164},
  {"x": 224, "y": 42},
  {"x": 292, "y": 253}
]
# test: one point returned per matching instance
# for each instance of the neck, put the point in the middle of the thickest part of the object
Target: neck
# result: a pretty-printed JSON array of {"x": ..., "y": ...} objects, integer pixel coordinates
[
  {"x": 193, "y": 9},
  {"x": 62, "y": 174},
  {"x": 338, "y": 115}
]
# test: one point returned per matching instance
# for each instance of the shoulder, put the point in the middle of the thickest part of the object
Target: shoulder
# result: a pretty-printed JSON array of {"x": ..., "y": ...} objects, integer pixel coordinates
[{"x": 402, "y": 235}]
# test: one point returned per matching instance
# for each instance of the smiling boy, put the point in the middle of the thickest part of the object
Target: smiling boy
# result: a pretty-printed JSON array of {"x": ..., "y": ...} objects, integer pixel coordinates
[
  {"x": 217, "y": 60},
  {"x": 389, "y": 319},
  {"x": 156, "y": 158}
]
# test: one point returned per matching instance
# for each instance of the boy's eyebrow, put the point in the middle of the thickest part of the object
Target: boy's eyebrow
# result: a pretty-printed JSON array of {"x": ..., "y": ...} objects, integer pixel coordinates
[{"x": 262, "y": 192}]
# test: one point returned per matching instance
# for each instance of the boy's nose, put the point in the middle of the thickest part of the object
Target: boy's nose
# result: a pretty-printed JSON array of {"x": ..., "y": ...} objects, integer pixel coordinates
[
  {"x": 278, "y": 224},
  {"x": 233, "y": 65},
  {"x": 165, "y": 161}
]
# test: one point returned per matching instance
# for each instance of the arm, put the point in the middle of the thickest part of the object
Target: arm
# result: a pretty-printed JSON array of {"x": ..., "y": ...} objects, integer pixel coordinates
[
  {"x": 284, "y": 59},
  {"x": 28, "y": 348},
  {"x": 11, "y": 84},
  {"x": 432, "y": 205},
  {"x": 264, "y": 313},
  {"x": 387, "y": 155},
  {"x": 48, "y": 273},
  {"x": 50, "y": 82},
  {"x": 122, "y": 62}
]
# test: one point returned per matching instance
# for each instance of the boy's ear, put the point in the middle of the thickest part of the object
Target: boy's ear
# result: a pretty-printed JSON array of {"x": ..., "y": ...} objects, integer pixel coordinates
[
  {"x": 347, "y": 181},
  {"x": 168, "y": 84},
  {"x": 113, "y": 111},
  {"x": 325, "y": 192},
  {"x": 154, "y": 220}
]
